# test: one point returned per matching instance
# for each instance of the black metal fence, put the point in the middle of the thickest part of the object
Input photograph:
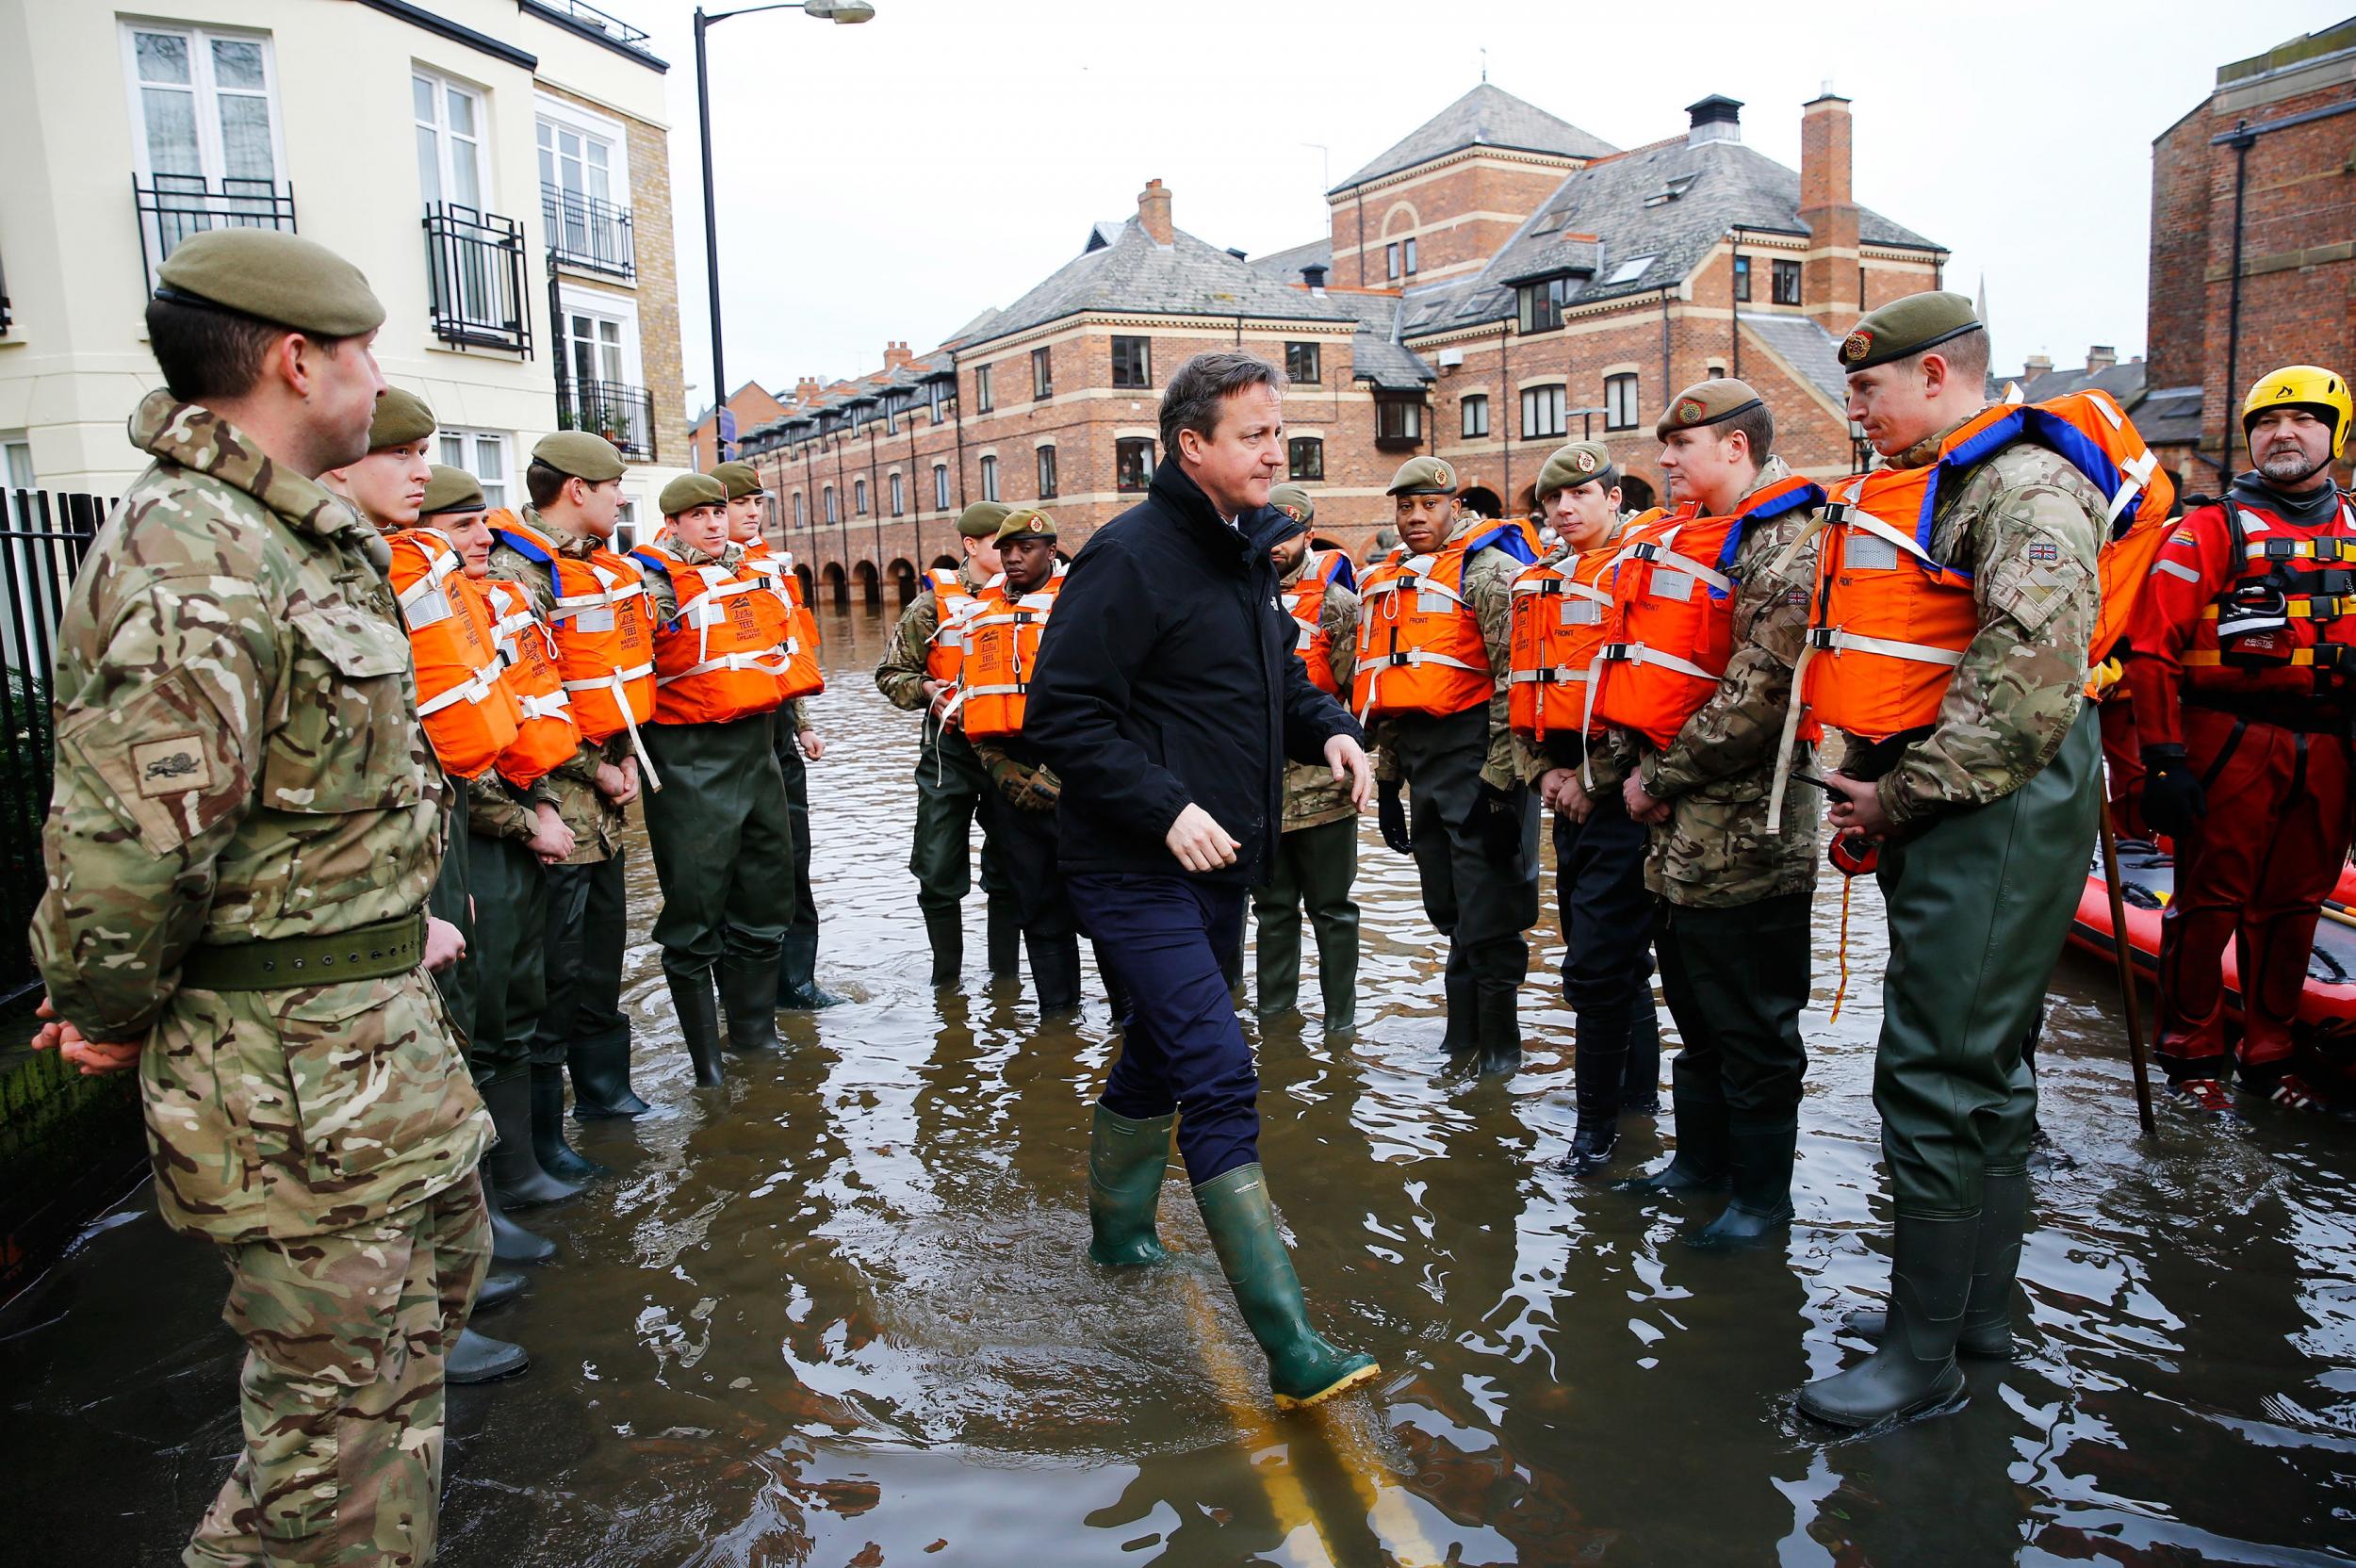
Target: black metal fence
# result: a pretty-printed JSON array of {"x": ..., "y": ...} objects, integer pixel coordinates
[
  {"x": 173, "y": 206},
  {"x": 475, "y": 270},
  {"x": 623, "y": 415},
  {"x": 67, "y": 1144},
  {"x": 583, "y": 232}
]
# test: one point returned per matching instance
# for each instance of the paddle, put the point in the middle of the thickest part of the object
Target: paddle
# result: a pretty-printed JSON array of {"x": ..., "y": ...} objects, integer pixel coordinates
[{"x": 2126, "y": 975}]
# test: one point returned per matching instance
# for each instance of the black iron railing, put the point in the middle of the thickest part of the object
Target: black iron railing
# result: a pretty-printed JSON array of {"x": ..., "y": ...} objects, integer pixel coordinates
[
  {"x": 587, "y": 234},
  {"x": 173, "y": 206},
  {"x": 623, "y": 415},
  {"x": 475, "y": 277}
]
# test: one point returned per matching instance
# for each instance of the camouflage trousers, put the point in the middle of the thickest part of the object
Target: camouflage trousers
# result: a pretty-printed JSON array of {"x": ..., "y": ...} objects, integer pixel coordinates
[{"x": 342, "y": 1389}]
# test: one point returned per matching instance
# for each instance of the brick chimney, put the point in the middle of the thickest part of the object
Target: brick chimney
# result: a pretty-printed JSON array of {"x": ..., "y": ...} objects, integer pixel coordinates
[
  {"x": 1716, "y": 118},
  {"x": 2036, "y": 365},
  {"x": 805, "y": 390},
  {"x": 896, "y": 355},
  {"x": 2102, "y": 356},
  {"x": 1830, "y": 276},
  {"x": 1153, "y": 212}
]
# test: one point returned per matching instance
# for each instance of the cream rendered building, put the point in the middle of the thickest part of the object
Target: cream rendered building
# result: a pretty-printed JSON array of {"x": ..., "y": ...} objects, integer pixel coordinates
[{"x": 497, "y": 169}]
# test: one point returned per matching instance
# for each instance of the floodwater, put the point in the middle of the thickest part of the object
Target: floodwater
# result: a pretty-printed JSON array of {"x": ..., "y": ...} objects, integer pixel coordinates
[{"x": 840, "y": 1313}]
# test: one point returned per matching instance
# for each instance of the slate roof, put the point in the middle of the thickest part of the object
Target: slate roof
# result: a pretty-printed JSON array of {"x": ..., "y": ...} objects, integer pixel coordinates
[
  {"x": 2124, "y": 381},
  {"x": 1284, "y": 266},
  {"x": 1716, "y": 186},
  {"x": 1487, "y": 116},
  {"x": 1134, "y": 275},
  {"x": 2169, "y": 416},
  {"x": 1804, "y": 344}
]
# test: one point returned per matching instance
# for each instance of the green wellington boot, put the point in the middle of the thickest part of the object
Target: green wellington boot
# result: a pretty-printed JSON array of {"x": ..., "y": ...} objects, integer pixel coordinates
[
  {"x": 1337, "y": 978},
  {"x": 944, "y": 933},
  {"x": 1760, "y": 1154},
  {"x": 1996, "y": 1262},
  {"x": 477, "y": 1358},
  {"x": 698, "y": 1013},
  {"x": 748, "y": 996},
  {"x": 1914, "y": 1369},
  {"x": 1499, "y": 1012},
  {"x": 557, "y": 1157},
  {"x": 1277, "y": 967},
  {"x": 1006, "y": 939},
  {"x": 1302, "y": 1368},
  {"x": 1700, "y": 1161},
  {"x": 1125, "y": 1164},
  {"x": 798, "y": 990}
]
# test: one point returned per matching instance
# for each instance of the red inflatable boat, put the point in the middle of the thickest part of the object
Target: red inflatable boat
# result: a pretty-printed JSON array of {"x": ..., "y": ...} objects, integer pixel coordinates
[{"x": 2148, "y": 880}]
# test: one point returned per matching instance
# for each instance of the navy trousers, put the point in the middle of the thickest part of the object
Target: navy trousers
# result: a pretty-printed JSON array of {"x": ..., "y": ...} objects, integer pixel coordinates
[{"x": 1164, "y": 940}]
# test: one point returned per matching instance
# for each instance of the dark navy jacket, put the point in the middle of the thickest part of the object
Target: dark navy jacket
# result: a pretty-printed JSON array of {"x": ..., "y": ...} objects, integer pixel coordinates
[{"x": 1167, "y": 674}]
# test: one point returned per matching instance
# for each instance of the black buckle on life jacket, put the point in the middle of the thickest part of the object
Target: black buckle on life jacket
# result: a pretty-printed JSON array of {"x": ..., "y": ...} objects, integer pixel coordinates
[
  {"x": 1616, "y": 650},
  {"x": 2320, "y": 550},
  {"x": 1837, "y": 512},
  {"x": 2336, "y": 656},
  {"x": 1646, "y": 549},
  {"x": 1399, "y": 659},
  {"x": 1822, "y": 636}
]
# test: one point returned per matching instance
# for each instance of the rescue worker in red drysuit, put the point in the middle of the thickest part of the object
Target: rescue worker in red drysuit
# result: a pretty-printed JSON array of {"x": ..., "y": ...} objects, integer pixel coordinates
[{"x": 2244, "y": 677}]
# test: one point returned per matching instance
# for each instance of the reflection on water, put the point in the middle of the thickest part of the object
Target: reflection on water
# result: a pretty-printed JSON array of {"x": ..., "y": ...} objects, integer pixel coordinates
[{"x": 839, "y": 1312}]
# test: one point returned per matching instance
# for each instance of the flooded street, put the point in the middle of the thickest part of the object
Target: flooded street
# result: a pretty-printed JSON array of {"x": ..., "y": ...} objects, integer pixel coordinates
[{"x": 841, "y": 1311}]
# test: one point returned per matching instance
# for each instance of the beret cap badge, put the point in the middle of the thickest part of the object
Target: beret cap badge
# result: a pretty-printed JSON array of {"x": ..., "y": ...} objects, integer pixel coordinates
[
  {"x": 1856, "y": 345},
  {"x": 1689, "y": 410}
]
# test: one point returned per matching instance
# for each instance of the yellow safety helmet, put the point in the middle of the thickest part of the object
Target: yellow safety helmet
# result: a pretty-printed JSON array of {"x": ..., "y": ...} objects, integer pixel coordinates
[{"x": 2308, "y": 385}]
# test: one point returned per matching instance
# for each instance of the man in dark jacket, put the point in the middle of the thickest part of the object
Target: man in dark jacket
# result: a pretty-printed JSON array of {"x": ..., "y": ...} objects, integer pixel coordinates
[{"x": 1166, "y": 699}]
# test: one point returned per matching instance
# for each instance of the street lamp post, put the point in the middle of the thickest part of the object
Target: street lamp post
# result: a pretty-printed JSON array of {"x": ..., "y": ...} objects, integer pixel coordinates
[{"x": 843, "y": 11}]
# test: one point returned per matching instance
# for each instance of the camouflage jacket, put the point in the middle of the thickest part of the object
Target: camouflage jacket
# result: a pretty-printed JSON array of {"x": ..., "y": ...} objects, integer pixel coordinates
[
  {"x": 902, "y": 673},
  {"x": 238, "y": 759},
  {"x": 2026, "y": 524},
  {"x": 666, "y": 607},
  {"x": 1489, "y": 591},
  {"x": 1311, "y": 796},
  {"x": 572, "y": 785},
  {"x": 1717, "y": 774}
]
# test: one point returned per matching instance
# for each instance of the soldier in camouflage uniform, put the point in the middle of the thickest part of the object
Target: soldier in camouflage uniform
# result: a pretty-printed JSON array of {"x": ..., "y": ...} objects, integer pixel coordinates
[
  {"x": 1735, "y": 886},
  {"x": 1474, "y": 829},
  {"x": 1316, "y": 861},
  {"x": 246, "y": 821},
  {"x": 575, "y": 484},
  {"x": 1987, "y": 818},
  {"x": 952, "y": 789}
]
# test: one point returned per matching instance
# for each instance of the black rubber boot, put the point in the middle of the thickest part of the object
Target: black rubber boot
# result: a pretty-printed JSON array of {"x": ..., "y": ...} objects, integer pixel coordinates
[
  {"x": 748, "y": 995},
  {"x": 601, "y": 1079},
  {"x": 1463, "y": 1035},
  {"x": 944, "y": 929},
  {"x": 498, "y": 1290},
  {"x": 1126, "y": 1161},
  {"x": 1338, "y": 979},
  {"x": 1639, "y": 1069},
  {"x": 480, "y": 1359},
  {"x": 1055, "y": 972},
  {"x": 1005, "y": 940},
  {"x": 1986, "y": 1332},
  {"x": 698, "y": 1025},
  {"x": 1913, "y": 1371},
  {"x": 1700, "y": 1161},
  {"x": 1760, "y": 1154},
  {"x": 797, "y": 969},
  {"x": 511, "y": 1242},
  {"x": 557, "y": 1157},
  {"x": 1303, "y": 1369},
  {"x": 1276, "y": 959},
  {"x": 1598, "y": 1076},
  {"x": 1500, "y": 1031},
  {"x": 512, "y": 1165}
]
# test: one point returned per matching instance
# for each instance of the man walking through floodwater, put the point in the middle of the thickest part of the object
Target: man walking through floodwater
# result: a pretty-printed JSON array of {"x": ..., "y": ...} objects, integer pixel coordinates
[{"x": 1168, "y": 700}]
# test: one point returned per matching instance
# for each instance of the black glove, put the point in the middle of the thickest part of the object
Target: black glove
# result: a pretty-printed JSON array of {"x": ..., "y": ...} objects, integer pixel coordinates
[
  {"x": 1391, "y": 813},
  {"x": 2173, "y": 800},
  {"x": 1498, "y": 821}
]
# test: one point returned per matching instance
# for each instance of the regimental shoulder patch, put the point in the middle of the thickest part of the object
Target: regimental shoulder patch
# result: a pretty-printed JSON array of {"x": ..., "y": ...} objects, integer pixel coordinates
[
  {"x": 2043, "y": 552},
  {"x": 1855, "y": 346},
  {"x": 171, "y": 767}
]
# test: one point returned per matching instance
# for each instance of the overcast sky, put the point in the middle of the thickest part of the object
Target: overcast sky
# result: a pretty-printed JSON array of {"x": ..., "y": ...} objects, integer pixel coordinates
[{"x": 891, "y": 180}]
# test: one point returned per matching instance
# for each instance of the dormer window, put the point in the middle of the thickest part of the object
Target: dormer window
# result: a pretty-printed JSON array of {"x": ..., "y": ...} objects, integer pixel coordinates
[{"x": 1630, "y": 270}]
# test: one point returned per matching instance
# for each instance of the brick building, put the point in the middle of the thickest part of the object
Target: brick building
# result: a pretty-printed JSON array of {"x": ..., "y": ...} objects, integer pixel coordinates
[
  {"x": 1495, "y": 284},
  {"x": 752, "y": 404},
  {"x": 2253, "y": 244}
]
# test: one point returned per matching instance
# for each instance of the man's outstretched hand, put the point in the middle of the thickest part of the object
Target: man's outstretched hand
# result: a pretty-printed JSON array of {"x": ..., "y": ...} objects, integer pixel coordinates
[
  {"x": 1199, "y": 842},
  {"x": 1348, "y": 759},
  {"x": 93, "y": 1057}
]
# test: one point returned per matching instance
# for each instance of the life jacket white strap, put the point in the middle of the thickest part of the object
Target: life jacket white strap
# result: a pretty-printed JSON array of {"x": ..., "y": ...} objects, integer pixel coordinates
[
  {"x": 1638, "y": 653},
  {"x": 436, "y": 569},
  {"x": 1792, "y": 711},
  {"x": 1376, "y": 665},
  {"x": 1658, "y": 551},
  {"x": 475, "y": 688},
  {"x": 551, "y": 704},
  {"x": 1015, "y": 689},
  {"x": 1832, "y": 637},
  {"x": 1867, "y": 522},
  {"x": 766, "y": 662},
  {"x": 2136, "y": 475},
  {"x": 1553, "y": 676}
]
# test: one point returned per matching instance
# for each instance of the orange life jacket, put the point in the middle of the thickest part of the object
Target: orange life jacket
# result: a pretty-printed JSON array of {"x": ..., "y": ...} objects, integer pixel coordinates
[
  {"x": 469, "y": 715},
  {"x": 604, "y": 625},
  {"x": 1672, "y": 607},
  {"x": 1419, "y": 644},
  {"x": 2285, "y": 625},
  {"x": 716, "y": 661},
  {"x": 1001, "y": 647},
  {"x": 1890, "y": 623},
  {"x": 799, "y": 646},
  {"x": 1561, "y": 619},
  {"x": 954, "y": 607},
  {"x": 546, "y": 735},
  {"x": 1304, "y": 601}
]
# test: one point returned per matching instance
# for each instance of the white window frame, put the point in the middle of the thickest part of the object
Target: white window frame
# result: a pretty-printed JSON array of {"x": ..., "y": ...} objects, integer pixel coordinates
[
  {"x": 990, "y": 477},
  {"x": 445, "y": 84},
  {"x": 899, "y": 493},
  {"x": 475, "y": 441},
  {"x": 572, "y": 117},
  {"x": 1465, "y": 409},
  {"x": 595, "y": 303},
  {"x": 941, "y": 487},
  {"x": 1534, "y": 401},
  {"x": 210, "y": 158}
]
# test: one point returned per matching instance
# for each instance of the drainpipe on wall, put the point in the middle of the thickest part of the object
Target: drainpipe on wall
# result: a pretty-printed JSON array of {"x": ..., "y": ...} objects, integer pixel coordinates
[
  {"x": 2242, "y": 140},
  {"x": 1668, "y": 389},
  {"x": 957, "y": 396},
  {"x": 921, "y": 564},
  {"x": 1512, "y": 407}
]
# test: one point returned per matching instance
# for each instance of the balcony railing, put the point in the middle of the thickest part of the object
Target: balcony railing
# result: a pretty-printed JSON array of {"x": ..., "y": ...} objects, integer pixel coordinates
[
  {"x": 173, "y": 206},
  {"x": 623, "y": 415},
  {"x": 474, "y": 264},
  {"x": 585, "y": 233}
]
